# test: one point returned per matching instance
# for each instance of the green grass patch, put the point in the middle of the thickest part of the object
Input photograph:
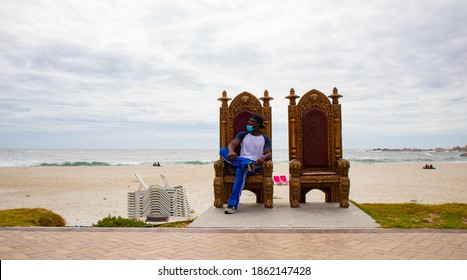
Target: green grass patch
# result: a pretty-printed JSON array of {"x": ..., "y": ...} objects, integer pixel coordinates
[
  {"x": 110, "y": 221},
  {"x": 413, "y": 215},
  {"x": 30, "y": 217}
]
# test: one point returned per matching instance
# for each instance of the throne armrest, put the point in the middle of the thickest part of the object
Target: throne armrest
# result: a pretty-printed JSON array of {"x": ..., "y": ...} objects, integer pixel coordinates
[
  {"x": 294, "y": 182},
  {"x": 268, "y": 184},
  {"x": 343, "y": 167},
  {"x": 295, "y": 168},
  {"x": 219, "y": 167},
  {"x": 267, "y": 168},
  {"x": 344, "y": 182}
]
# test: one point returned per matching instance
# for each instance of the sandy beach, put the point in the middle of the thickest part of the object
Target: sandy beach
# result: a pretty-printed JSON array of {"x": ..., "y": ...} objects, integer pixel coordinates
[{"x": 84, "y": 195}]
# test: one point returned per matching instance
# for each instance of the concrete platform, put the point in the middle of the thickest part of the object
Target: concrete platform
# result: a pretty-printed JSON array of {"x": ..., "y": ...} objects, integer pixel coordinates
[{"x": 308, "y": 215}]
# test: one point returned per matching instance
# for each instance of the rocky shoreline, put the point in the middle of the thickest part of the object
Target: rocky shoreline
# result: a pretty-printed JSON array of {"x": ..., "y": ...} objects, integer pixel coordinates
[{"x": 453, "y": 149}]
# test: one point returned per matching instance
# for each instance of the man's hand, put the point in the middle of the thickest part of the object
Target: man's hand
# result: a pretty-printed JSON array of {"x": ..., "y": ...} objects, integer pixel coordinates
[
  {"x": 261, "y": 160},
  {"x": 232, "y": 156},
  {"x": 232, "y": 145},
  {"x": 267, "y": 154}
]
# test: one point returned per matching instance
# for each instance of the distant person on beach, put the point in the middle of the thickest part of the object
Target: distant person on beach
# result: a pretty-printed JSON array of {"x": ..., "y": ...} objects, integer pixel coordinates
[
  {"x": 428, "y": 166},
  {"x": 156, "y": 164},
  {"x": 255, "y": 149}
]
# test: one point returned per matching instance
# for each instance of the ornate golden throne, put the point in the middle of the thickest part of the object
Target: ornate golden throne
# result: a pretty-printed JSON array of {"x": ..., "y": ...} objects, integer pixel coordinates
[
  {"x": 233, "y": 119},
  {"x": 315, "y": 148}
]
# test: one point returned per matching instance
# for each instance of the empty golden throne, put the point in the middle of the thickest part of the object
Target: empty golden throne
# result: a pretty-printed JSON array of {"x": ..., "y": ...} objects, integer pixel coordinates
[
  {"x": 233, "y": 119},
  {"x": 315, "y": 148}
]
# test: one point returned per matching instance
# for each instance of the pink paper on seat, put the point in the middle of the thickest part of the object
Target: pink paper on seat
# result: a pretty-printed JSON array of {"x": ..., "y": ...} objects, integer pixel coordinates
[
  {"x": 284, "y": 179},
  {"x": 277, "y": 180}
]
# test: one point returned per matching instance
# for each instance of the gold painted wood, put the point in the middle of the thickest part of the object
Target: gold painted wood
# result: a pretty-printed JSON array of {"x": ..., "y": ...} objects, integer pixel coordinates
[
  {"x": 261, "y": 185},
  {"x": 331, "y": 179}
]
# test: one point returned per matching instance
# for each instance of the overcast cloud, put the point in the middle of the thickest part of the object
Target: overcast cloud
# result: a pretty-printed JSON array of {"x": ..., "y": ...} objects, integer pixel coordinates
[{"x": 147, "y": 74}]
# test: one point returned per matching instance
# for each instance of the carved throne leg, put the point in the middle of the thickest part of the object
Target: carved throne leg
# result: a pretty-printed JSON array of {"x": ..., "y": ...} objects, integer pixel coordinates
[
  {"x": 268, "y": 193},
  {"x": 294, "y": 183},
  {"x": 218, "y": 192},
  {"x": 345, "y": 187},
  {"x": 344, "y": 166},
  {"x": 268, "y": 185},
  {"x": 218, "y": 168},
  {"x": 294, "y": 192}
]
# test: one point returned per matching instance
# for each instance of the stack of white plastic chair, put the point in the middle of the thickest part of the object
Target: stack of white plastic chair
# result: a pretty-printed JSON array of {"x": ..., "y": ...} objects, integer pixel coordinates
[
  {"x": 182, "y": 208},
  {"x": 131, "y": 204},
  {"x": 171, "y": 201}
]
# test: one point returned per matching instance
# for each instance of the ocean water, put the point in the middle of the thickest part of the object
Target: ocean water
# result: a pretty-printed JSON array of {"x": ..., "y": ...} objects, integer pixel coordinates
[{"x": 115, "y": 157}]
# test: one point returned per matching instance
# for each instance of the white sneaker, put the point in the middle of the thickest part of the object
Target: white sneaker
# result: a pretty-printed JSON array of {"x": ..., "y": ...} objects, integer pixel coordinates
[{"x": 230, "y": 210}]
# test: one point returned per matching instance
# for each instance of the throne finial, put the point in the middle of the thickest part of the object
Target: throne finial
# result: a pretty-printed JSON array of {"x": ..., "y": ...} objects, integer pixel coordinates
[
  {"x": 292, "y": 97},
  {"x": 335, "y": 96},
  {"x": 224, "y": 99},
  {"x": 266, "y": 98}
]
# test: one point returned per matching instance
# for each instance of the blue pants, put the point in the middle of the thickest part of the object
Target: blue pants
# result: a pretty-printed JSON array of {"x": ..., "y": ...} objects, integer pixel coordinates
[{"x": 240, "y": 175}]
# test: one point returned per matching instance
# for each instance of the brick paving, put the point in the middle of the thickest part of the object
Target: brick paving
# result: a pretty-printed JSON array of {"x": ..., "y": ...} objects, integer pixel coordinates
[{"x": 230, "y": 244}]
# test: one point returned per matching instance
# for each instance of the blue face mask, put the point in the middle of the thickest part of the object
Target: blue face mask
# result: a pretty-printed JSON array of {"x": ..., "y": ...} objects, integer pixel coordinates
[{"x": 250, "y": 128}]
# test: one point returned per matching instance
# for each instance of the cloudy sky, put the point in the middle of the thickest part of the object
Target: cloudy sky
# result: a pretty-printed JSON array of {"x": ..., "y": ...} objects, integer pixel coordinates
[{"x": 147, "y": 74}]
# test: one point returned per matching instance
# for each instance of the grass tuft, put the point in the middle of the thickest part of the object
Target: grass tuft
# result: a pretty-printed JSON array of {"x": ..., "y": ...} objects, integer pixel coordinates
[
  {"x": 30, "y": 217},
  {"x": 110, "y": 221}
]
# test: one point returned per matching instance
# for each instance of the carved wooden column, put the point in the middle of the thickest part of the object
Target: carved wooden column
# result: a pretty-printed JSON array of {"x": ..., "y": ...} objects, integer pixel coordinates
[
  {"x": 266, "y": 113},
  {"x": 294, "y": 164},
  {"x": 219, "y": 164},
  {"x": 292, "y": 124},
  {"x": 223, "y": 119},
  {"x": 268, "y": 184},
  {"x": 336, "y": 112}
]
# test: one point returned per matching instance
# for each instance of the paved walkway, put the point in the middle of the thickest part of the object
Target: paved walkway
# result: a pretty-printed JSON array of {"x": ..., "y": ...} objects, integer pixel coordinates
[
  {"x": 227, "y": 244},
  {"x": 320, "y": 231}
]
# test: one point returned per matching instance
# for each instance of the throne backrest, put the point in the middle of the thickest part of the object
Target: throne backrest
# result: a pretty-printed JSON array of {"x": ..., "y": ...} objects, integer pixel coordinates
[
  {"x": 315, "y": 135},
  {"x": 315, "y": 130},
  {"x": 239, "y": 122},
  {"x": 233, "y": 117}
]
